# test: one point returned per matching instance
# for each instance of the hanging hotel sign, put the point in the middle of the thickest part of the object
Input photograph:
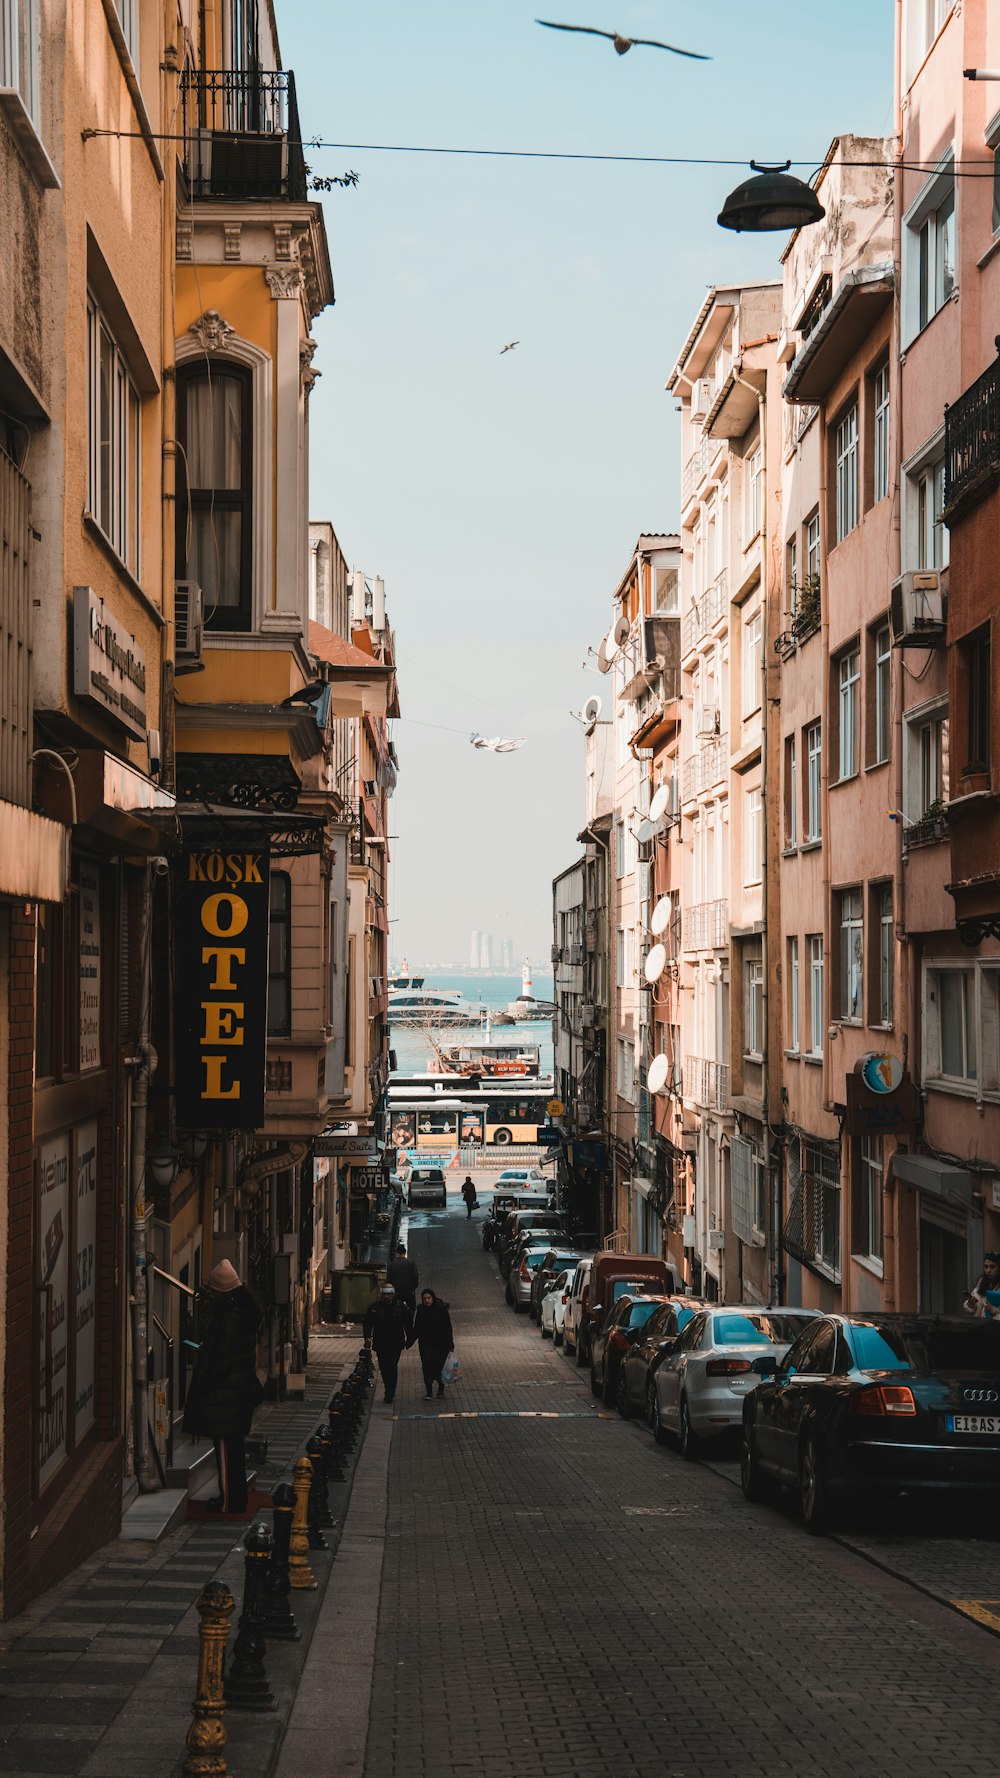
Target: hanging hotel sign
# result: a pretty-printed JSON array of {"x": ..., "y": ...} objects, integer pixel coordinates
[
  {"x": 221, "y": 989},
  {"x": 109, "y": 669},
  {"x": 880, "y": 1098},
  {"x": 358, "y": 1148}
]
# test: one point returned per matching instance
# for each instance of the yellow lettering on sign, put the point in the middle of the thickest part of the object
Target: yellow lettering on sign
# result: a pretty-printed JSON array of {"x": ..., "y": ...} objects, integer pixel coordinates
[
  {"x": 211, "y": 914},
  {"x": 213, "y": 1079},
  {"x": 220, "y": 1021},
  {"x": 224, "y": 955}
]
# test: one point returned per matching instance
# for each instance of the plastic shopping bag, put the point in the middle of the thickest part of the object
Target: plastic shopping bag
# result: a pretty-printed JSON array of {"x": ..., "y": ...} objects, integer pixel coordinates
[{"x": 451, "y": 1370}]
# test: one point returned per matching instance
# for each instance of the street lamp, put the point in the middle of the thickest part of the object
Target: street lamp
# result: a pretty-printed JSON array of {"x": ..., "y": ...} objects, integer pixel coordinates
[
  {"x": 192, "y": 1143},
  {"x": 164, "y": 1163},
  {"x": 774, "y": 199}
]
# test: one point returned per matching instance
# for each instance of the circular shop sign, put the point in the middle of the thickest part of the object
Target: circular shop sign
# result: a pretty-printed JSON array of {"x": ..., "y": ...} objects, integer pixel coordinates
[{"x": 882, "y": 1074}]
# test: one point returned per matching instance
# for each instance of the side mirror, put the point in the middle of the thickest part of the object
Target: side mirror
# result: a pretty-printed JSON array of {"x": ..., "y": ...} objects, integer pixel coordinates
[
  {"x": 765, "y": 1366},
  {"x": 666, "y": 1346},
  {"x": 783, "y": 1372}
]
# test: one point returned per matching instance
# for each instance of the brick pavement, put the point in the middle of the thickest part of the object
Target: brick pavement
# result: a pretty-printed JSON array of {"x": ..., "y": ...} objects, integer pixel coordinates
[{"x": 562, "y": 1597}]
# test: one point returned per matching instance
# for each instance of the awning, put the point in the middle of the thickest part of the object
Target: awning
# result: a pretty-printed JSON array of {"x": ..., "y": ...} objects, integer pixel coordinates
[{"x": 944, "y": 1179}]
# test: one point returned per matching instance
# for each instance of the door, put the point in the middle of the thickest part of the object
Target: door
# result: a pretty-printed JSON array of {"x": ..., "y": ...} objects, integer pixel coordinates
[
  {"x": 670, "y": 1374},
  {"x": 813, "y": 1357},
  {"x": 944, "y": 1261}
]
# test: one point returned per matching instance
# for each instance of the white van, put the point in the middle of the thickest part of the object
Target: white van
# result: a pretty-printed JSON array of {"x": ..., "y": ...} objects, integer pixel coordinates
[{"x": 577, "y": 1306}]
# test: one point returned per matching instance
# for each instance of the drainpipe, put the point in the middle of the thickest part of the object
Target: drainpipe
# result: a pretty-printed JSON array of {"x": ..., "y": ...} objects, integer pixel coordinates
[{"x": 145, "y": 1061}]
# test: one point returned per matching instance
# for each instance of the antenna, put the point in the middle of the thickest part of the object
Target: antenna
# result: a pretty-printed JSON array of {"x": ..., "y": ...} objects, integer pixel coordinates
[
  {"x": 661, "y": 916},
  {"x": 658, "y": 1073},
  {"x": 655, "y": 964},
  {"x": 658, "y": 806}
]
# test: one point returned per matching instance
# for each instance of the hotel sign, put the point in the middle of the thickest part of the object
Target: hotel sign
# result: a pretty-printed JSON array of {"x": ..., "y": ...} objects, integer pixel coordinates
[
  {"x": 108, "y": 668},
  {"x": 221, "y": 989}
]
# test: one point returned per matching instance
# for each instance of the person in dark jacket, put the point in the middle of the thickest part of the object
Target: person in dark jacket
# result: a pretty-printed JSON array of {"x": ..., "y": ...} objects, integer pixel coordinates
[
  {"x": 432, "y": 1334},
  {"x": 224, "y": 1389},
  {"x": 402, "y": 1274},
  {"x": 388, "y": 1327},
  {"x": 469, "y": 1194}
]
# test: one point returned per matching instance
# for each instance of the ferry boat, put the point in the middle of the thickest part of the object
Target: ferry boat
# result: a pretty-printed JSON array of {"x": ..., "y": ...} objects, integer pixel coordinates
[
  {"x": 430, "y": 1007},
  {"x": 403, "y": 979},
  {"x": 487, "y": 1060}
]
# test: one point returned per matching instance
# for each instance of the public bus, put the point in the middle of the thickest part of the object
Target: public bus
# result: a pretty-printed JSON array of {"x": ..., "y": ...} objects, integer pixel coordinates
[{"x": 496, "y": 1113}]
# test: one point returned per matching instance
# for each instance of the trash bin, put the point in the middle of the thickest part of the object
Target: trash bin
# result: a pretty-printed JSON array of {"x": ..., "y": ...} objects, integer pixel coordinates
[{"x": 353, "y": 1291}]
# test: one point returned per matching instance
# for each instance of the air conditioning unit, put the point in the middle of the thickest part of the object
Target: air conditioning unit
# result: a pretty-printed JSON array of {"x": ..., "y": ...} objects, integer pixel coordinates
[
  {"x": 588, "y": 1015},
  {"x": 701, "y": 399},
  {"x": 708, "y": 720},
  {"x": 716, "y": 1240},
  {"x": 189, "y": 623},
  {"x": 917, "y": 609}
]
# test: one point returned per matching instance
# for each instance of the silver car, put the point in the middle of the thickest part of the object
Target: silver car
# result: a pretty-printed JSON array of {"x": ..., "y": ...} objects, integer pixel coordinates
[
  {"x": 702, "y": 1382},
  {"x": 553, "y": 1309},
  {"x": 519, "y": 1283}
]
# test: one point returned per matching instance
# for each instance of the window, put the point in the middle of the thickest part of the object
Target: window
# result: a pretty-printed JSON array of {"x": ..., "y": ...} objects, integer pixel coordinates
[
  {"x": 814, "y": 781},
  {"x": 881, "y": 658},
  {"x": 880, "y": 453},
  {"x": 869, "y": 1195},
  {"x": 620, "y": 957},
  {"x": 812, "y": 550},
  {"x": 667, "y": 590},
  {"x": 792, "y": 577},
  {"x": 128, "y": 18},
  {"x": 626, "y": 1069},
  {"x": 932, "y": 741},
  {"x": 114, "y": 441},
  {"x": 816, "y": 994},
  {"x": 976, "y": 659},
  {"x": 936, "y": 256},
  {"x": 951, "y": 1024},
  {"x": 820, "y": 1181},
  {"x": 754, "y": 501},
  {"x": 753, "y": 836},
  {"x": 848, "y": 686},
  {"x": 852, "y": 937},
  {"x": 19, "y": 52},
  {"x": 847, "y": 474},
  {"x": 791, "y": 793},
  {"x": 932, "y": 533},
  {"x": 619, "y": 848},
  {"x": 752, "y": 663},
  {"x": 883, "y": 924},
  {"x": 214, "y": 505},
  {"x": 753, "y": 1007},
  {"x": 279, "y": 957},
  {"x": 793, "y": 994}
]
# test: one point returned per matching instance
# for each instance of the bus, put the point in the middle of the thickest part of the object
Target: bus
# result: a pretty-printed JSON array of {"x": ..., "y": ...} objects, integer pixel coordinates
[{"x": 424, "y": 1118}]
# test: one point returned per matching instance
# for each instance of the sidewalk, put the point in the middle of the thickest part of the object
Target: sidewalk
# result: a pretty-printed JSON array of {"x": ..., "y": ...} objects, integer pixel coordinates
[{"x": 97, "y": 1676}]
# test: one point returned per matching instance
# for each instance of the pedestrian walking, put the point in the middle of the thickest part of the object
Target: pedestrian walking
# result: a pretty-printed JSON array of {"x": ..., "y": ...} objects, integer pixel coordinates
[
  {"x": 402, "y": 1274},
  {"x": 388, "y": 1327},
  {"x": 984, "y": 1297},
  {"x": 469, "y": 1194},
  {"x": 433, "y": 1335},
  {"x": 224, "y": 1388}
]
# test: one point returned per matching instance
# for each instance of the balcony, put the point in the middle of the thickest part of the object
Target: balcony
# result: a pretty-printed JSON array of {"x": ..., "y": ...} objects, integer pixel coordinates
[
  {"x": 706, "y": 767},
  {"x": 242, "y": 136},
  {"x": 706, "y": 1083},
  {"x": 706, "y": 926},
  {"x": 704, "y": 613},
  {"x": 972, "y": 442}
]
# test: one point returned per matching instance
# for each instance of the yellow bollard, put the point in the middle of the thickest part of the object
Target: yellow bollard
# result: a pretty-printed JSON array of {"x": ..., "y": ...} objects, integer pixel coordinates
[
  {"x": 206, "y": 1738},
  {"x": 300, "y": 1574}
]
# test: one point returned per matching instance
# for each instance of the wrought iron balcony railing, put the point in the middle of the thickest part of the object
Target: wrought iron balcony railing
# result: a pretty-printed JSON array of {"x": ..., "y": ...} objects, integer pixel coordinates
[
  {"x": 972, "y": 439},
  {"x": 242, "y": 136}
]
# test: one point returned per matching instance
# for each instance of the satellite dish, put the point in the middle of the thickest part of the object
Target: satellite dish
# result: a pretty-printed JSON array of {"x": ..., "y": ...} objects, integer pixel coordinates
[
  {"x": 591, "y": 712},
  {"x": 656, "y": 963},
  {"x": 658, "y": 1073},
  {"x": 661, "y": 916},
  {"x": 620, "y": 630},
  {"x": 645, "y": 833},
  {"x": 604, "y": 659},
  {"x": 658, "y": 806}
]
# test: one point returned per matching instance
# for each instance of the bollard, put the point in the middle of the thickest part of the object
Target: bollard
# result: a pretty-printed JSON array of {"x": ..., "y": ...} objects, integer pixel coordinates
[
  {"x": 247, "y": 1685},
  {"x": 326, "y": 1442},
  {"x": 300, "y": 1574},
  {"x": 206, "y": 1738},
  {"x": 314, "y": 1517},
  {"x": 336, "y": 1445},
  {"x": 279, "y": 1623}
]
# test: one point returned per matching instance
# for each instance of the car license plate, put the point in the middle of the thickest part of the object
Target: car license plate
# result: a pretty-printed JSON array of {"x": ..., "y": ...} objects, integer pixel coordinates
[{"x": 973, "y": 1423}]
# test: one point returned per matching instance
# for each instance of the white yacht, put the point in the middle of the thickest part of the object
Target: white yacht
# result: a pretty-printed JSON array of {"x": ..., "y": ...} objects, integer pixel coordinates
[{"x": 431, "y": 1007}]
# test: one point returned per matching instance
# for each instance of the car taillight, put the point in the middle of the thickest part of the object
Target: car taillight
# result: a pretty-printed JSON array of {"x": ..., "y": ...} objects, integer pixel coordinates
[
  {"x": 882, "y": 1399},
  {"x": 728, "y": 1367},
  {"x": 525, "y": 1270},
  {"x": 618, "y": 1341},
  {"x": 565, "y": 1296}
]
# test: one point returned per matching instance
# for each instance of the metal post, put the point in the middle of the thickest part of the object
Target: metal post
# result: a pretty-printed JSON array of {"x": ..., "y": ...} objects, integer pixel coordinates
[
  {"x": 300, "y": 1574},
  {"x": 247, "y": 1684},
  {"x": 319, "y": 1511},
  {"x": 279, "y": 1622},
  {"x": 137, "y": 1221},
  {"x": 206, "y": 1738}
]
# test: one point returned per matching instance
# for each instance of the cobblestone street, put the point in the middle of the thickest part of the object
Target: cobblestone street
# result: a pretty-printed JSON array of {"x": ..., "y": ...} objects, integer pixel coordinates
[{"x": 561, "y": 1596}]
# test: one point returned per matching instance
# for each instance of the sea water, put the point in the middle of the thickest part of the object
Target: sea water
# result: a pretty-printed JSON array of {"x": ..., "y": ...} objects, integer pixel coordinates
[{"x": 413, "y": 1050}]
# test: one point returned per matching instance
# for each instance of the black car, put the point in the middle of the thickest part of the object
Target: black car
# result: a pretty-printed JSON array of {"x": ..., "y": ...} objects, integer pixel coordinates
[
  {"x": 635, "y": 1372},
  {"x": 612, "y": 1337},
  {"x": 559, "y": 1257},
  {"x": 876, "y": 1403},
  {"x": 537, "y": 1223}
]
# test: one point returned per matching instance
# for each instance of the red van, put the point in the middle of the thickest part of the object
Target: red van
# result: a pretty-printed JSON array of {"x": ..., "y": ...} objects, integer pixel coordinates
[{"x": 611, "y": 1275}]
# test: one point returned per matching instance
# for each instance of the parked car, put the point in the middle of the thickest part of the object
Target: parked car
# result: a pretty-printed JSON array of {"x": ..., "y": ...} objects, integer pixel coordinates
[
  {"x": 553, "y": 1309},
  {"x": 518, "y": 1293},
  {"x": 612, "y": 1275},
  {"x": 635, "y": 1375},
  {"x": 611, "y": 1339},
  {"x": 700, "y": 1386},
  {"x": 559, "y": 1256},
  {"x": 427, "y": 1186},
  {"x": 524, "y": 1222},
  {"x": 577, "y": 1306},
  {"x": 513, "y": 1177},
  {"x": 545, "y": 1238},
  {"x": 500, "y": 1208},
  {"x": 877, "y": 1403}
]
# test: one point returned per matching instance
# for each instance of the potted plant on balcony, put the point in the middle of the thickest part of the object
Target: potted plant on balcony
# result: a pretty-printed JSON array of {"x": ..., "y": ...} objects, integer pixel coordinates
[
  {"x": 931, "y": 825},
  {"x": 806, "y": 617},
  {"x": 975, "y": 776}
]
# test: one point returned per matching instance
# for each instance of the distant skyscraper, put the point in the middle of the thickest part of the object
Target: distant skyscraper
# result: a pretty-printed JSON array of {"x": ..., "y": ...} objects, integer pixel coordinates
[
  {"x": 507, "y": 956},
  {"x": 474, "y": 943},
  {"x": 486, "y": 951}
]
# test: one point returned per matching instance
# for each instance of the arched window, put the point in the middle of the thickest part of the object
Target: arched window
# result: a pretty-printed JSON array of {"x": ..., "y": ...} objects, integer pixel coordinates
[{"x": 215, "y": 489}]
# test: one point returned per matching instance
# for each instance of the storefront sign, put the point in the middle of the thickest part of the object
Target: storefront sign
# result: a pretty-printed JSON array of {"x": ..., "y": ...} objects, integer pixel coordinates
[
  {"x": 90, "y": 966},
  {"x": 363, "y": 1148},
  {"x": 109, "y": 669},
  {"x": 85, "y": 1317},
  {"x": 52, "y": 1261},
  {"x": 880, "y": 1099},
  {"x": 221, "y": 989}
]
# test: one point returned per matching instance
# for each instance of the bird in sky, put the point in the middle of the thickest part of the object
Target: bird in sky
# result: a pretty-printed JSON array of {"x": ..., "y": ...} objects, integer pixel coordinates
[
  {"x": 509, "y": 347},
  {"x": 497, "y": 743},
  {"x": 624, "y": 44}
]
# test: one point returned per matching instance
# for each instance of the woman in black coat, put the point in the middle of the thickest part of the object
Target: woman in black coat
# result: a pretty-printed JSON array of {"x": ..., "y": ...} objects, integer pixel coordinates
[
  {"x": 224, "y": 1389},
  {"x": 432, "y": 1333}
]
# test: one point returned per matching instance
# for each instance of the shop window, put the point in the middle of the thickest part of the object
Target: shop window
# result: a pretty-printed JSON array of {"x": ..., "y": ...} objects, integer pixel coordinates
[{"x": 214, "y": 495}]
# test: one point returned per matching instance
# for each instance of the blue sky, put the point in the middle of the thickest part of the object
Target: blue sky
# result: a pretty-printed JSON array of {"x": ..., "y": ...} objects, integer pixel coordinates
[{"x": 500, "y": 497}]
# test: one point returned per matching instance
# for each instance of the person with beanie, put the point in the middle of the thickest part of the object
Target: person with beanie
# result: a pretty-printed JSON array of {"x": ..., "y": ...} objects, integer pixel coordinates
[
  {"x": 224, "y": 1389},
  {"x": 402, "y": 1274},
  {"x": 388, "y": 1327}
]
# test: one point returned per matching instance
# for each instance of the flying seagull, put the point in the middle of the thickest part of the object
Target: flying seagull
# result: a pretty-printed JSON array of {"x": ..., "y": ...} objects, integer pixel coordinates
[
  {"x": 624, "y": 44},
  {"x": 509, "y": 347},
  {"x": 496, "y": 743}
]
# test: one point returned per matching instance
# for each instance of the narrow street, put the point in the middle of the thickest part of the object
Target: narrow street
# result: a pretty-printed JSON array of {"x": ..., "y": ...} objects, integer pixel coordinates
[{"x": 560, "y": 1595}]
